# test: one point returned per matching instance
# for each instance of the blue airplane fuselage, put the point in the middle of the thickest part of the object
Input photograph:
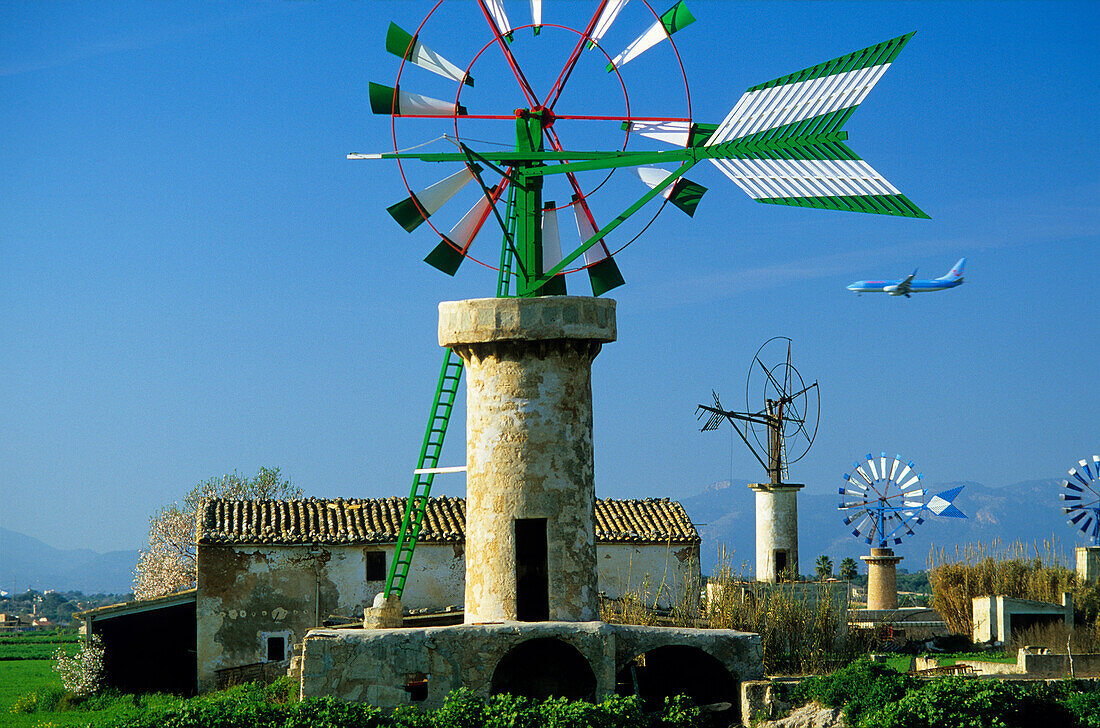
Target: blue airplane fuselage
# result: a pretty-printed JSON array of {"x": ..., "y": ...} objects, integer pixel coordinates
[{"x": 906, "y": 286}]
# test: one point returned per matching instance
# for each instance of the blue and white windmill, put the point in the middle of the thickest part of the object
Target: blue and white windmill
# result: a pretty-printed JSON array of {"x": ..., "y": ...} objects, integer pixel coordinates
[
  {"x": 883, "y": 500},
  {"x": 1083, "y": 498}
]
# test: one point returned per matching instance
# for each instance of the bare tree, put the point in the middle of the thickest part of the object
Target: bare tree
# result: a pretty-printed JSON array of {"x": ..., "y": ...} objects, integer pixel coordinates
[{"x": 167, "y": 564}]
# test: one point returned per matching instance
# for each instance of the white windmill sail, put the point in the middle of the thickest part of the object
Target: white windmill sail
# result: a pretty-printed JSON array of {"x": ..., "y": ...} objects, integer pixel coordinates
[
  {"x": 603, "y": 272},
  {"x": 683, "y": 193},
  {"x": 675, "y": 18},
  {"x": 419, "y": 206},
  {"x": 405, "y": 45},
  {"x": 610, "y": 11},
  {"x": 395, "y": 100}
]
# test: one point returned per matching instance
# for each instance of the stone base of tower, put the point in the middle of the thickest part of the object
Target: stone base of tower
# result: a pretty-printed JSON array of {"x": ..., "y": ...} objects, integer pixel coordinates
[
  {"x": 776, "y": 530},
  {"x": 388, "y": 668},
  {"x": 882, "y": 579}
]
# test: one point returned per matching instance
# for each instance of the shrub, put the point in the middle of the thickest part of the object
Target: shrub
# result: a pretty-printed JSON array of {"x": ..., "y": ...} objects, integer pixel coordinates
[
  {"x": 956, "y": 702},
  {"x": 41, "y": 700},
  {"x": 1085, "y": 708},
  {"x": 859, "y": 688},
  {"x": 82, "y": 673}
]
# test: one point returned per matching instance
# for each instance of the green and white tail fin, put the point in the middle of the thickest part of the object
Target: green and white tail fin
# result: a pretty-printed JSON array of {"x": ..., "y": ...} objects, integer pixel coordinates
[{"x": 781, "y": 143}]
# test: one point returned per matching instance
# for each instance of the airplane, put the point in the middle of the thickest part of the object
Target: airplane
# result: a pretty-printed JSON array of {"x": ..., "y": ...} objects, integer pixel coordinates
[{"x": 907, "y": 285}]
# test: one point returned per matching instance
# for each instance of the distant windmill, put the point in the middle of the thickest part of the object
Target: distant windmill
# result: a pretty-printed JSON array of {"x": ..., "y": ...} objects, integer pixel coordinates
[
  {"x": 883, "y": 500},
  {"x": 781, "y": 435},
  {"x": 787, "y": 405},
  {"x": 1082, "y": 498}
]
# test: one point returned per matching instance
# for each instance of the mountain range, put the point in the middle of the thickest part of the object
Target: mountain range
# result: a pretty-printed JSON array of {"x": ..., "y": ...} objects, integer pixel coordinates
[
  {"x": 1028, "y": 512},
  {"x": 27, "y": 563}
]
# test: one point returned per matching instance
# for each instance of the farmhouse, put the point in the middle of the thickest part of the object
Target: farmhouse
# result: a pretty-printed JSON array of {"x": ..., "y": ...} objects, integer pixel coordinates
[{"x": 269, "y": 571}]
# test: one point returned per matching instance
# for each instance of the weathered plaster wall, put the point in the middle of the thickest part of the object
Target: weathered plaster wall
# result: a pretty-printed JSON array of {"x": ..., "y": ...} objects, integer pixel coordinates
[
  {"x": 661, "y": 571},
  {"x": 529, "y": 444},
  {"x": 247, "y": 590}
]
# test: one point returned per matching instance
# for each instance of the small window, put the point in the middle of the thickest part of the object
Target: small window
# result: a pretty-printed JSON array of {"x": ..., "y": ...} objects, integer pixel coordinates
[
  {"x": 376, "y": 565},
  {"x": 416, "y": 685},
  {"x": 274, "y": 646},
  {"x": 276, "y": 649}
]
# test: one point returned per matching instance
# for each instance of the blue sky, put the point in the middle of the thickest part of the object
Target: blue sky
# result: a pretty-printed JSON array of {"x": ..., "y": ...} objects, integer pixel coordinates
[{"x": 194, "y": 280}]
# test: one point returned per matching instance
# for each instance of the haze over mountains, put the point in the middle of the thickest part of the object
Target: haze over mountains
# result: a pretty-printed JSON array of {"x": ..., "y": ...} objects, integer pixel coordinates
[
  {"x": 27, "y": 563},
  {"x": 1028, "y": 512}
]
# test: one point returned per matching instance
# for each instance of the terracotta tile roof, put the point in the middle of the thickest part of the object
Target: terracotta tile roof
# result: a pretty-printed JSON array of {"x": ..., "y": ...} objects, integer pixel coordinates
[{"x": 378, "y": 520}]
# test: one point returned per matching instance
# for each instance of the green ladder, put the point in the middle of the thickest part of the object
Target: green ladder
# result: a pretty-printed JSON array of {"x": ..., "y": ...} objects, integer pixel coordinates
[{"x": 450, "y": 375}]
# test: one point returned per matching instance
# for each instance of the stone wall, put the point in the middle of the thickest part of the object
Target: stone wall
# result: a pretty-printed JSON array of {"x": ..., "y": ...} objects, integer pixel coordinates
[{"x": 394, "y": 667}]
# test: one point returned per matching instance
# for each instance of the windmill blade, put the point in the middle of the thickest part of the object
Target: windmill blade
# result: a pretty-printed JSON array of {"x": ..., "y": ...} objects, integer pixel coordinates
[
  {"x": 394, "y": 100},
  {"x": 536, "y": 15},
  {"x": 882, "y": 465},
  {"x": 894, "y": 467},
  {"x": 905, "y": 471},
  {"x": 1071, "y": 486},
  {"x": 551, "y": 250},
  {"x": 407, "y": 46},
  {"x": 603, "y": 272},
  {"x": 672, "y": 20},
  {"x": 871, "y": 465},
  {"x": 683, "y": 193},
  {"x": 419, "y": 206},
  {"x": 852, "y": 481},
  {"x": 859, "y": 469},
  {"x": 1077, "y": 475},
  {"x": 916, "y": 478},
  {"x": 783, "y": 144},
  {"x": 496, "y": 12},
  {"x": 677, "y": 133},
  {"x": 452, "y": 250},
  {"x": 611, "y": 11}
]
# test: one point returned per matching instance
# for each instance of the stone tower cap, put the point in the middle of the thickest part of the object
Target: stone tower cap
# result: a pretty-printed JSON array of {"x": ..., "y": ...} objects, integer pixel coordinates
[{"x": 484, "y": 320}]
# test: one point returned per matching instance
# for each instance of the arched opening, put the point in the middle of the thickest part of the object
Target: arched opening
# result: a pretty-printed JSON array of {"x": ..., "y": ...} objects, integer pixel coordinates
[
  {"x": 680, "y": 670},
  {"x": 543, "y": 668}
]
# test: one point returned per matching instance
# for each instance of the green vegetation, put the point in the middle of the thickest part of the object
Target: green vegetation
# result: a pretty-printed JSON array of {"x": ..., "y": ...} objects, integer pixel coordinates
[{"x": 874, "y": 696}]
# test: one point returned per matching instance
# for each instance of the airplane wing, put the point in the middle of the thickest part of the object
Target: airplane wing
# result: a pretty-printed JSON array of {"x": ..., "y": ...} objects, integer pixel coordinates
[{"x": 907, "y": 285}]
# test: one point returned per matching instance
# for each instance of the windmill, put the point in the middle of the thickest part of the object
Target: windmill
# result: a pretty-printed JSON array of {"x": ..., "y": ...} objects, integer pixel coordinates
[
  {"x": 779, "y": 427},
  {"x": 519, "y": 158},
  {"x": 1082, "y": 498},
  {"x": 781, "y": 436},
  {"x": 883, "y": 500}
]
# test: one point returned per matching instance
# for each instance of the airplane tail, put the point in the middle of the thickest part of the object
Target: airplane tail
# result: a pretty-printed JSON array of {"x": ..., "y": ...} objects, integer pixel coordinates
[{"x": 956, "y": 273}]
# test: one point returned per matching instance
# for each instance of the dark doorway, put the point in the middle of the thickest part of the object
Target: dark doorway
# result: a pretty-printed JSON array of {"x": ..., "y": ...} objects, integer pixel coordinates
[
  {"x": 780, "y": 562},
  {"x": 680, "y": 670},
  {"x": 544, "y": 668},
  {"x": 532, "y": 576},
  {"x": 150, "y": 651}
]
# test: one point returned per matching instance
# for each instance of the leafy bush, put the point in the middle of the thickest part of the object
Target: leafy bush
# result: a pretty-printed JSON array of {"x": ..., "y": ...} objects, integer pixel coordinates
[
  {"x": 859, "y": 688},
  {"x": 1085, "y": 708},
  {"x": 38, "y": 701},
  {"x": 956, "y": 702}
]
